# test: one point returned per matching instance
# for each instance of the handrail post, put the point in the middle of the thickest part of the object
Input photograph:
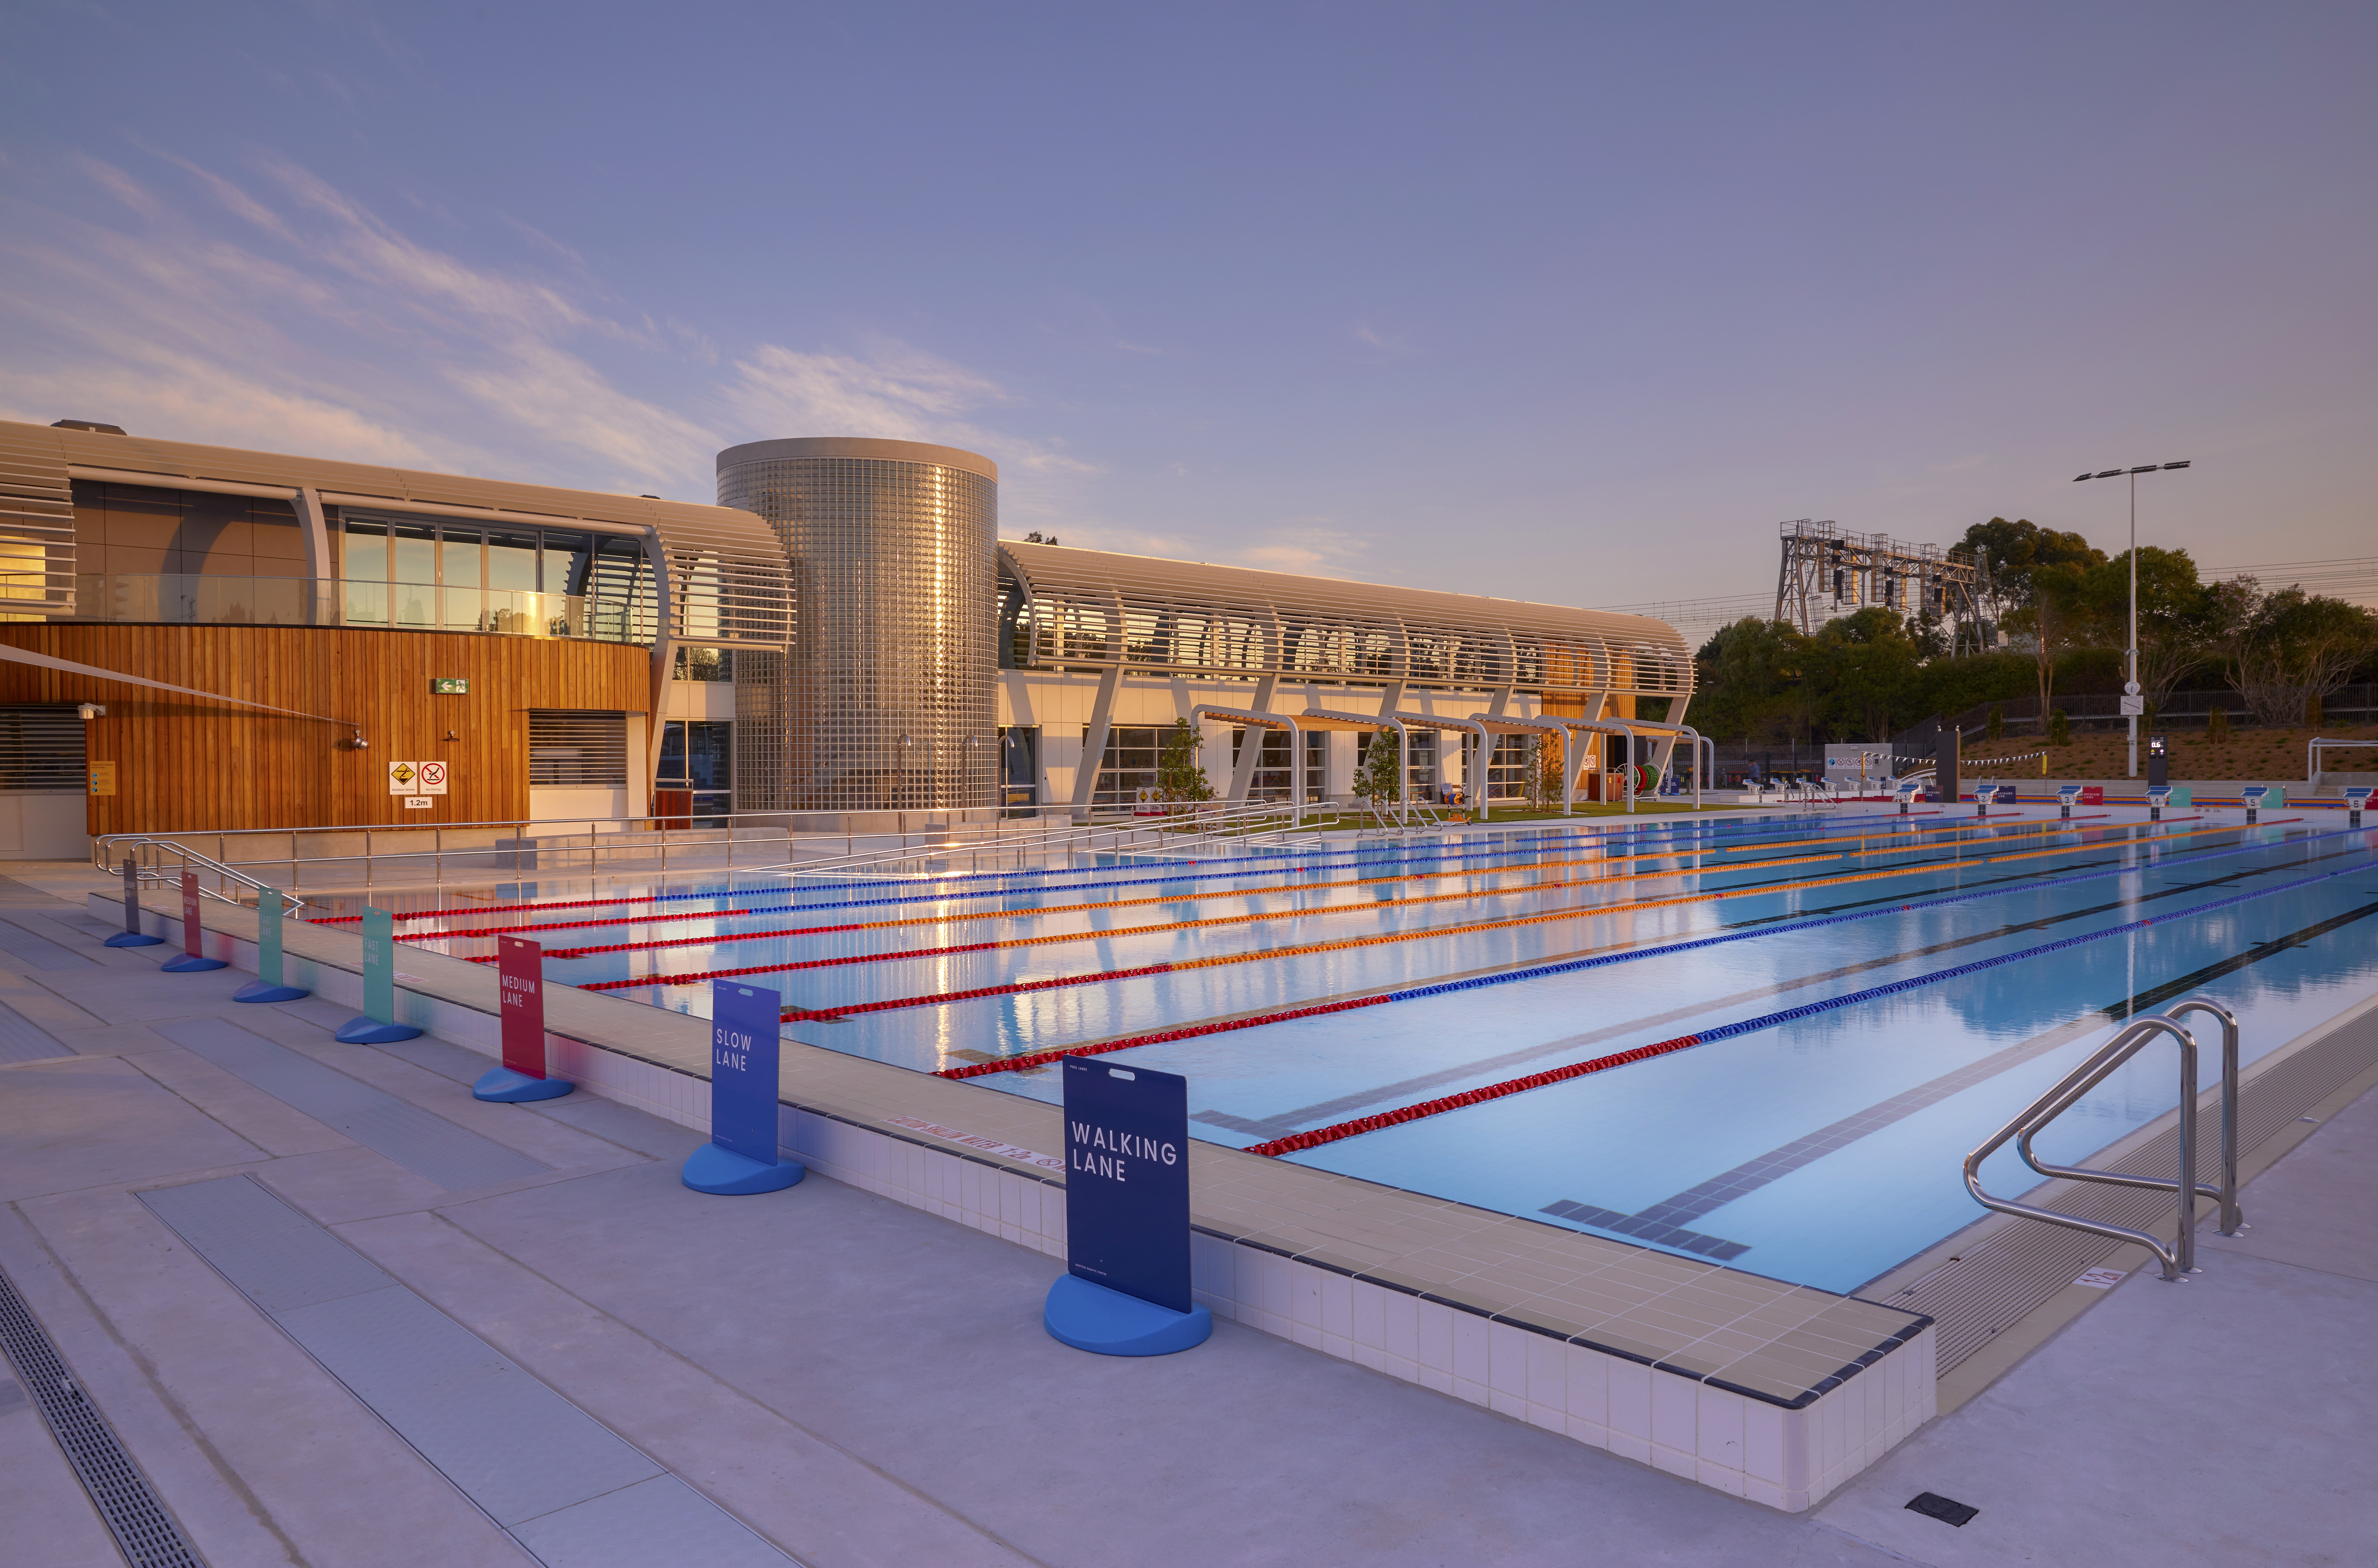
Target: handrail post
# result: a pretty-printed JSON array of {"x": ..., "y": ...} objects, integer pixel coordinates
[{"x": 2232, "y": 1217}]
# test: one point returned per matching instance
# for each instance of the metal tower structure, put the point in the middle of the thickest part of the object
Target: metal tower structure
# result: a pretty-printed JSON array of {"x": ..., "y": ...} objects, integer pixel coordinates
[{"x": 1826, "y": 573}]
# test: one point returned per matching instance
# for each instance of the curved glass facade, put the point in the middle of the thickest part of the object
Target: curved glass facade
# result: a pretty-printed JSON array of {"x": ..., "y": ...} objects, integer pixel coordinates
[{"x": 884, "y": 700}]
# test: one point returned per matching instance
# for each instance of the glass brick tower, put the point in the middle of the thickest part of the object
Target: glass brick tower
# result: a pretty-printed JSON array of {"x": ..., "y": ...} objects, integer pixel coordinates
[{"x": 884, "y": 700}]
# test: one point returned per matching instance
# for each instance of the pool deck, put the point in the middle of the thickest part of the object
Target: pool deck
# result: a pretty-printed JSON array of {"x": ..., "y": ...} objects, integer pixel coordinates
[{"x": 868, "y": 1417}]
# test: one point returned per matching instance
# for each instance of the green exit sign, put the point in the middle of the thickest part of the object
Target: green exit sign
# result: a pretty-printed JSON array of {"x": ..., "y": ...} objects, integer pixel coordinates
[{"x": 450, "y": 686}]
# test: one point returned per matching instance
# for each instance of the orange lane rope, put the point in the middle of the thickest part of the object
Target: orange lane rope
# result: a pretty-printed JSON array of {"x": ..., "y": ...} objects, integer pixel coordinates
[
  {"x": 1339, "y": 944},
  {"x": 1211, "y": 921},
  {"x": 1207, "y": 893}
]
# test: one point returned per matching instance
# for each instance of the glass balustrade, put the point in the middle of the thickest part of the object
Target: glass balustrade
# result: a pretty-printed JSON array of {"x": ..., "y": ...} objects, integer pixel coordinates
[{"x": 192, "y": 599}]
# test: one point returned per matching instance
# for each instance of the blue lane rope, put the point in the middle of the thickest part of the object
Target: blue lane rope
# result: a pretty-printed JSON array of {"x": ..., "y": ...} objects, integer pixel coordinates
[{"x": 1568, "y": 966}]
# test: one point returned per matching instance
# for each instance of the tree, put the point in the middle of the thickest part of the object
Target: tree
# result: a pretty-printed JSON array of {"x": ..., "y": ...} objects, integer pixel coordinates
[
  {"x": 2017, "y": 553},
  {"x": 2178, "y": 616},
  {"x": 1179, "y": 776},
  {"x": 1380, "y": 779},
  {"x": 2290, "y": 649},
  {"x": 1548, "y": 785},
  {"x": 1861, "y": 669},
  {"x": 1749, "y": 679}
]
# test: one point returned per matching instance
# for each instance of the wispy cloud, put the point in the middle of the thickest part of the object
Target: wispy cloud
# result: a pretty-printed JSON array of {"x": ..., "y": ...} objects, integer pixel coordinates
[{"x": 310, "y": 323}]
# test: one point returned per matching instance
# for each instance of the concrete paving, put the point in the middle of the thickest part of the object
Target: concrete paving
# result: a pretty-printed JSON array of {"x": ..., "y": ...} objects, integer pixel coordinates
[
  {"x": 863, "y": 1383},
  {"x": 2227, "y": 1420}
]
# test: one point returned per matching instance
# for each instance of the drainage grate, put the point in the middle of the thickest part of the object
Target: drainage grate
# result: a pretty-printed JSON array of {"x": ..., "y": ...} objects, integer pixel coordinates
[{"x": 143, "y": 1531}]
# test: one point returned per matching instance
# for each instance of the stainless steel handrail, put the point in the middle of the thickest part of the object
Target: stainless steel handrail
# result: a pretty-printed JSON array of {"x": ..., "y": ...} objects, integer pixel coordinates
[
  {"x": 289, "y": 902},
  {"x": 2179, "y": 1257}
]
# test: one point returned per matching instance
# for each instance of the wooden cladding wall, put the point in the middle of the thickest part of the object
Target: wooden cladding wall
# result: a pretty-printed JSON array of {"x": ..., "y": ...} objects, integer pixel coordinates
[{"x": 184, "y": 763}]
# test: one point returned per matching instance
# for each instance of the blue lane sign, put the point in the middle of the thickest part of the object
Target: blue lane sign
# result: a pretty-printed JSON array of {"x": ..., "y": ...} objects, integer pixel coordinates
[
  {"x": 743, "y": 1047},
  {"x": 1127, "y": 1180},
  {"x": 745, "y": 1042}
]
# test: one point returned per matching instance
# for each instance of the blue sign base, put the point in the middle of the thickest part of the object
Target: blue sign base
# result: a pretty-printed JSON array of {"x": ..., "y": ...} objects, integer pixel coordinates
[
  {"x": 1090, "y": 1317},
  {"x": 371, "y": 1031},
  {"x": 256, "y": 991},
  {"x": 142, "y": 939},
  {"x": 714, "y": 1168},
  {"x": 190, "y": 963},
  {"x": 512, "y": 1088}
]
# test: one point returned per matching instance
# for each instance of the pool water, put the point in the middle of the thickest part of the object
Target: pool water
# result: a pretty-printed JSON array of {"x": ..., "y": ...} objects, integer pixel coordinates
[{"x": 1823, "y": 1148}]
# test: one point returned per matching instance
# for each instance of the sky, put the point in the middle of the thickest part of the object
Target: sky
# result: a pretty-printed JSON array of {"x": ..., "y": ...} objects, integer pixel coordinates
[{"x": 1571, "y": 302}]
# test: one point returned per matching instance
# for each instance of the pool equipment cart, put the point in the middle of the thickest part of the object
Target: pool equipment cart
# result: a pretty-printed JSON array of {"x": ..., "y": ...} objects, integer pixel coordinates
[
  {"x": 1125, "y": 1289},
  {"x": 132, "y": 935},
  {"x": 2177, "y": 1256}
]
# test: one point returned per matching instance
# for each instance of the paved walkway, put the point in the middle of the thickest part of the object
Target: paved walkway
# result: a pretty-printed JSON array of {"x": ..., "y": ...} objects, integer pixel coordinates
[{"x": 858, "y": 1382}]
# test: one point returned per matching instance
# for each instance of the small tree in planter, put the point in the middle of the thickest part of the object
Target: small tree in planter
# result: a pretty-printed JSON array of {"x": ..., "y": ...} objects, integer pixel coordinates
[
  {"x": 2216, "y": 729},
  {"x": 1546, "y": 787},
  {"x": 2059, "y": 729},
  {"x": 1377, "y": 781},
  {"x": 1180, "y": 777}
]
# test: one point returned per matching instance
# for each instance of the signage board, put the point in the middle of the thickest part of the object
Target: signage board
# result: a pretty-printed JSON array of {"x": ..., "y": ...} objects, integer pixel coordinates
[
  {"x": 102, "y": 778},
  {"x": 268, "y": 943},
  {"x": 401, "y": 776},
  {"x": 429, "y": 779},
  {"x": 378, "y": 928},
  {"x": 520, "y": 991},
  {"x": 744, "y": 1046},
  {"x": 2133, "y": 707},
  {"x": 450, "y": 686},
  {"x": 191, "y": 928},
  {"x": 1127, "y": 1180}
]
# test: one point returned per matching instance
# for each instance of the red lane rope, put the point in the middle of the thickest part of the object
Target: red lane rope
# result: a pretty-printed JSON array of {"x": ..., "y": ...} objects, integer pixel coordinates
[
  {"x": 1187, "y": 1032},
  {"x": 1298, "y": 1141}
]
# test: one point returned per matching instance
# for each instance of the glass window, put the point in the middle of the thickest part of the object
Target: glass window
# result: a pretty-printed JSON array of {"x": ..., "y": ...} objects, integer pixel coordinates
[
  {"x": 364, "y": 569},
  {"x": 511, "y": 561},
  {"x": 458, "y": 556},
  {"x": 412, "y": 571}
]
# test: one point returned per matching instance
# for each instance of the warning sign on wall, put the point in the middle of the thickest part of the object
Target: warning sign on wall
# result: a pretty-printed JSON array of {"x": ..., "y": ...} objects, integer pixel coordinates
[
  {"x": 429, "y": 779},
  {"x": 401, "y": 776}
]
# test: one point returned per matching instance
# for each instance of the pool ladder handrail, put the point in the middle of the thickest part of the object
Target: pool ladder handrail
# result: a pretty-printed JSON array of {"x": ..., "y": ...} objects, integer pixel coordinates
[{"x": 2179, "y": 1257}]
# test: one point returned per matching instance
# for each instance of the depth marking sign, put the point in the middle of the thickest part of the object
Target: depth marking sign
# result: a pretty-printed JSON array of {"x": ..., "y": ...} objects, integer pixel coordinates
[{"x": 1127, "y": 1180}]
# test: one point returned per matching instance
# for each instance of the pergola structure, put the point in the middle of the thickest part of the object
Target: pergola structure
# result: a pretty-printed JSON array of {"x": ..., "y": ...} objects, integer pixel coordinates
[{"x": 1097, "y": 612}]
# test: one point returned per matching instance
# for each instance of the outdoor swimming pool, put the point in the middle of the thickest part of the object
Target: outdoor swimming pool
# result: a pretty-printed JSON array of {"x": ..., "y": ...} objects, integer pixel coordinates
[{"x": 1813, "y": 1017}]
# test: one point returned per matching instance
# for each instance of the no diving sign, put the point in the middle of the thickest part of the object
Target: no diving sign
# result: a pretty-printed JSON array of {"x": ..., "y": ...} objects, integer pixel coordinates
[{"x": 416, "y": 778}]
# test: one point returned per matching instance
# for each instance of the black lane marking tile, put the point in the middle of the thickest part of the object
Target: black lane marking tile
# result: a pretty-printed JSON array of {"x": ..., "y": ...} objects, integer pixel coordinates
[
  {"x": 1344, "y": 1105},
  {"x": 1725, "y": 1188}
]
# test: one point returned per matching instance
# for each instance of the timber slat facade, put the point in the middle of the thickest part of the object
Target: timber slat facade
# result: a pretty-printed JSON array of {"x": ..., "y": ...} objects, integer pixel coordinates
[{"x": 185, "y": 761}]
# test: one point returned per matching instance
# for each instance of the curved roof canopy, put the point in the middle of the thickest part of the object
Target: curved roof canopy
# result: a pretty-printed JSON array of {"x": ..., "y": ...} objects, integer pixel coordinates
[
  {"x": 729, "y": 581},
  {"x": 1081, "y": 607}
]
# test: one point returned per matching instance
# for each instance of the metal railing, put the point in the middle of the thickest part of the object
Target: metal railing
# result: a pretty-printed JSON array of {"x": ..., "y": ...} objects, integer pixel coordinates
[
  {"x": 370, "y": 855},
  {"x": 161, "y": 861},
  {"x": 1176, "y": 832},
  {"x": 2177, "y": 1257}
]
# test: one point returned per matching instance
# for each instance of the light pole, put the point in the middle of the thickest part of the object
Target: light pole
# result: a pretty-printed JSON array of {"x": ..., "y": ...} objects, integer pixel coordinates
[{"x": 2133, "y": 703}]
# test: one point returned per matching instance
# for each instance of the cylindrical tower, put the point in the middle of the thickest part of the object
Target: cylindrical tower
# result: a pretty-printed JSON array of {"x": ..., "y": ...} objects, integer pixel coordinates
[{"x": 884, "y": 699}]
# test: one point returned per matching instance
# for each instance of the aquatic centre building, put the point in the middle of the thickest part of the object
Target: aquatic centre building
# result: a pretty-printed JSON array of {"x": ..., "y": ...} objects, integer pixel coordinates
[{"x": 205, "y": 637}]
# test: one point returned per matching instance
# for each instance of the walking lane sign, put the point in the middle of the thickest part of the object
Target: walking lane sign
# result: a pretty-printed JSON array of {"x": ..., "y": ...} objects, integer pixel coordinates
[
  {"x": 746, "y": 1029},
  {"x": 1126, "y": 1287},
  {"x": 519, "y": 998}
]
